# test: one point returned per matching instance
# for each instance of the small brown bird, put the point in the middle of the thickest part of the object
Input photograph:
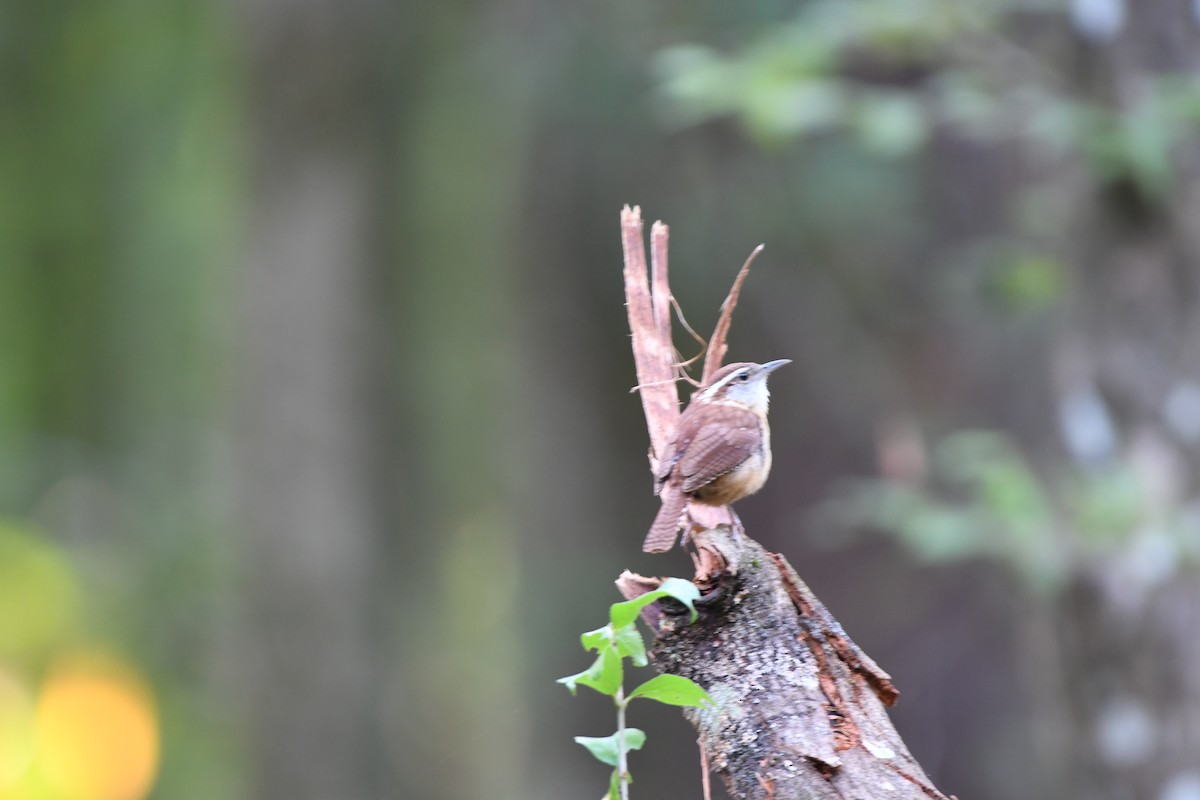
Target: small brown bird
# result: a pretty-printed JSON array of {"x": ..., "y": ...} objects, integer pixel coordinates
[{"x": 720, "y": 450}]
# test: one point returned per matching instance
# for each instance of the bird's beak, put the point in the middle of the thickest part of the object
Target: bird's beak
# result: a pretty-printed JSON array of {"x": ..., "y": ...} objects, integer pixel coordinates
[{"x": 771, "y": 366}]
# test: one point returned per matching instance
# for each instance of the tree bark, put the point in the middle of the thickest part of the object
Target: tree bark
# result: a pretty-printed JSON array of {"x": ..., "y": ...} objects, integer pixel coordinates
[{"x": 800, "y": 709}]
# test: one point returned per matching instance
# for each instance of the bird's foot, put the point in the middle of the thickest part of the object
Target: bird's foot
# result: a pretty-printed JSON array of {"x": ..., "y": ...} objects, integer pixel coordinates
[{"x": 737, "y": 529}]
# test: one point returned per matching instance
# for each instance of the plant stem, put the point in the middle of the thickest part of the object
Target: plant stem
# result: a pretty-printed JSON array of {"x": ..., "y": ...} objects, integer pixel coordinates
[{"x": 622, "y": 762}]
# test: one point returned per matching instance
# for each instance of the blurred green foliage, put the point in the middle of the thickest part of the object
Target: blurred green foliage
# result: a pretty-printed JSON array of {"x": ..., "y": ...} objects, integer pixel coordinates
[
  {"x": 983, "y": 499},
  {"x": 39, "y": 597},
  {"x": 894, "y": 80},
  {"x": 888, "y": 73},
  {"x": 1029, "y": 281},
  {"x": 119, "y": 194}
]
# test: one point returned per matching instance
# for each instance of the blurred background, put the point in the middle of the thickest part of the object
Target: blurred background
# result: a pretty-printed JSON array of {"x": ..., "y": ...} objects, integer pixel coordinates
[{"x": 317, "y": 450}]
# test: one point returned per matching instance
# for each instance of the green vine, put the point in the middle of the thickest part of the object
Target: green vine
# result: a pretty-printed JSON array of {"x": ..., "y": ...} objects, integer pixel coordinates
[{"x": 620, "y": 639}]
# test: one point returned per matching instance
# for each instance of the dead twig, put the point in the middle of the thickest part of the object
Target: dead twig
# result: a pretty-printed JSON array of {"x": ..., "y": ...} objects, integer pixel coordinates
[{"x": 717, "y": 345}]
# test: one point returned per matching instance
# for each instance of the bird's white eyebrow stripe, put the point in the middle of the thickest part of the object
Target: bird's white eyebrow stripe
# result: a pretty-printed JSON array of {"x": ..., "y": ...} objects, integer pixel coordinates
[{"x": 712, "y": 389}]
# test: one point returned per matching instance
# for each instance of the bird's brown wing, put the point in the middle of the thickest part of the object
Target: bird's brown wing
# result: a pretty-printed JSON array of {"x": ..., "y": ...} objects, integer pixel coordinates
[
  {"x": 693, "y": 418},
  {"x": 718, "y": 447}
]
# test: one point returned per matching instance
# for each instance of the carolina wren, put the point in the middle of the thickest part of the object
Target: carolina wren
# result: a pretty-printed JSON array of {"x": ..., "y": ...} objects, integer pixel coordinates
[{"x": 720, "y": 450}]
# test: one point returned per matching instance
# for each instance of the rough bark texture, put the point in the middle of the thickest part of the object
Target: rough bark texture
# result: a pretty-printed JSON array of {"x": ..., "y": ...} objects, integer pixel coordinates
[{"x": 801, "y": 711}]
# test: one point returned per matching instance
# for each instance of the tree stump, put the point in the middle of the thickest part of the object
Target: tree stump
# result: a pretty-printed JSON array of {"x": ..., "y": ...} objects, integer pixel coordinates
[{"x": 801, "y": 710}]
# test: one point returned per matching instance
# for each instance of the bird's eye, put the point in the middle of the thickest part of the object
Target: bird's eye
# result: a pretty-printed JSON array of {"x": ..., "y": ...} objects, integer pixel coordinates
[{"x": 743, "y": 376}]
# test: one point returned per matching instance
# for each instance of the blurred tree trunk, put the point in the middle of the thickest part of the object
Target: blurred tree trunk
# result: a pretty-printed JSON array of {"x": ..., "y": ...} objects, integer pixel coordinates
[
  {"x": 1128, "y": 630},
  {"x": 314, "y": 437},
  {"x": 1131, "y": 690},
  {"x": 457, "y": 708}
]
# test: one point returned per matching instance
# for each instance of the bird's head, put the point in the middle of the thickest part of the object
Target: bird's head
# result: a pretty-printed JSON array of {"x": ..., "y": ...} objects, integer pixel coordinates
[{"x": 744, "y": 383}]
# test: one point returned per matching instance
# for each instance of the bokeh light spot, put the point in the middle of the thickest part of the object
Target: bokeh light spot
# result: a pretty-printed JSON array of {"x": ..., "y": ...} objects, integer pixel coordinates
[
  {"x": 97, "y": 731},
  {"x": 16, "y": 730}
]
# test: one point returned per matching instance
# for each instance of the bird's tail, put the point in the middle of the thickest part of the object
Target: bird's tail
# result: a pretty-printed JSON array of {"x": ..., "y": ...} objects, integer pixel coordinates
[{"x": 665, "y": 529}]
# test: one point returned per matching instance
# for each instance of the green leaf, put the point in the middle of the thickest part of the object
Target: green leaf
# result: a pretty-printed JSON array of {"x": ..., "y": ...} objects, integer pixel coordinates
[
  {"x": 571, "y": 681},
  {"x": 614, "y": 786},
  {"x": 605, "y": 748},
  {"x": 631, "y": 645},
  {"x": 604, "y": 675},
  {"x": 594, "y": 640},
  {"x": 1032, "y": 281},
  {"x": 891, "y": 124},
  {"x": 623, "y": 614},
  {"x": 673, "y": 690},
  {"x": 696, "y": 81}
]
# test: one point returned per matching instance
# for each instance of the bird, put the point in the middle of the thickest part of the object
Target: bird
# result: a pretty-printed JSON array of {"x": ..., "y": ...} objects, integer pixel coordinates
[{"x": 720, "y": 450}]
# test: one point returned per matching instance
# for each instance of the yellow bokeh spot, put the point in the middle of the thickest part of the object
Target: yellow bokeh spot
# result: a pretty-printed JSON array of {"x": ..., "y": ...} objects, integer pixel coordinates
[
  {"x": 97, "y": 731},
  {"x": 16, "y": 731}
]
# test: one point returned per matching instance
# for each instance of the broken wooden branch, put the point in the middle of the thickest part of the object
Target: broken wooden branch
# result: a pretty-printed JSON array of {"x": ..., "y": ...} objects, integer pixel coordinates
[{"x": 653, "y": 354}]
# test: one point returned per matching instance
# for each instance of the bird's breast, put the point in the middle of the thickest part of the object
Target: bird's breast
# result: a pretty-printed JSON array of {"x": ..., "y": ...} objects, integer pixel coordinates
[{"x": 742, "y": 481}]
